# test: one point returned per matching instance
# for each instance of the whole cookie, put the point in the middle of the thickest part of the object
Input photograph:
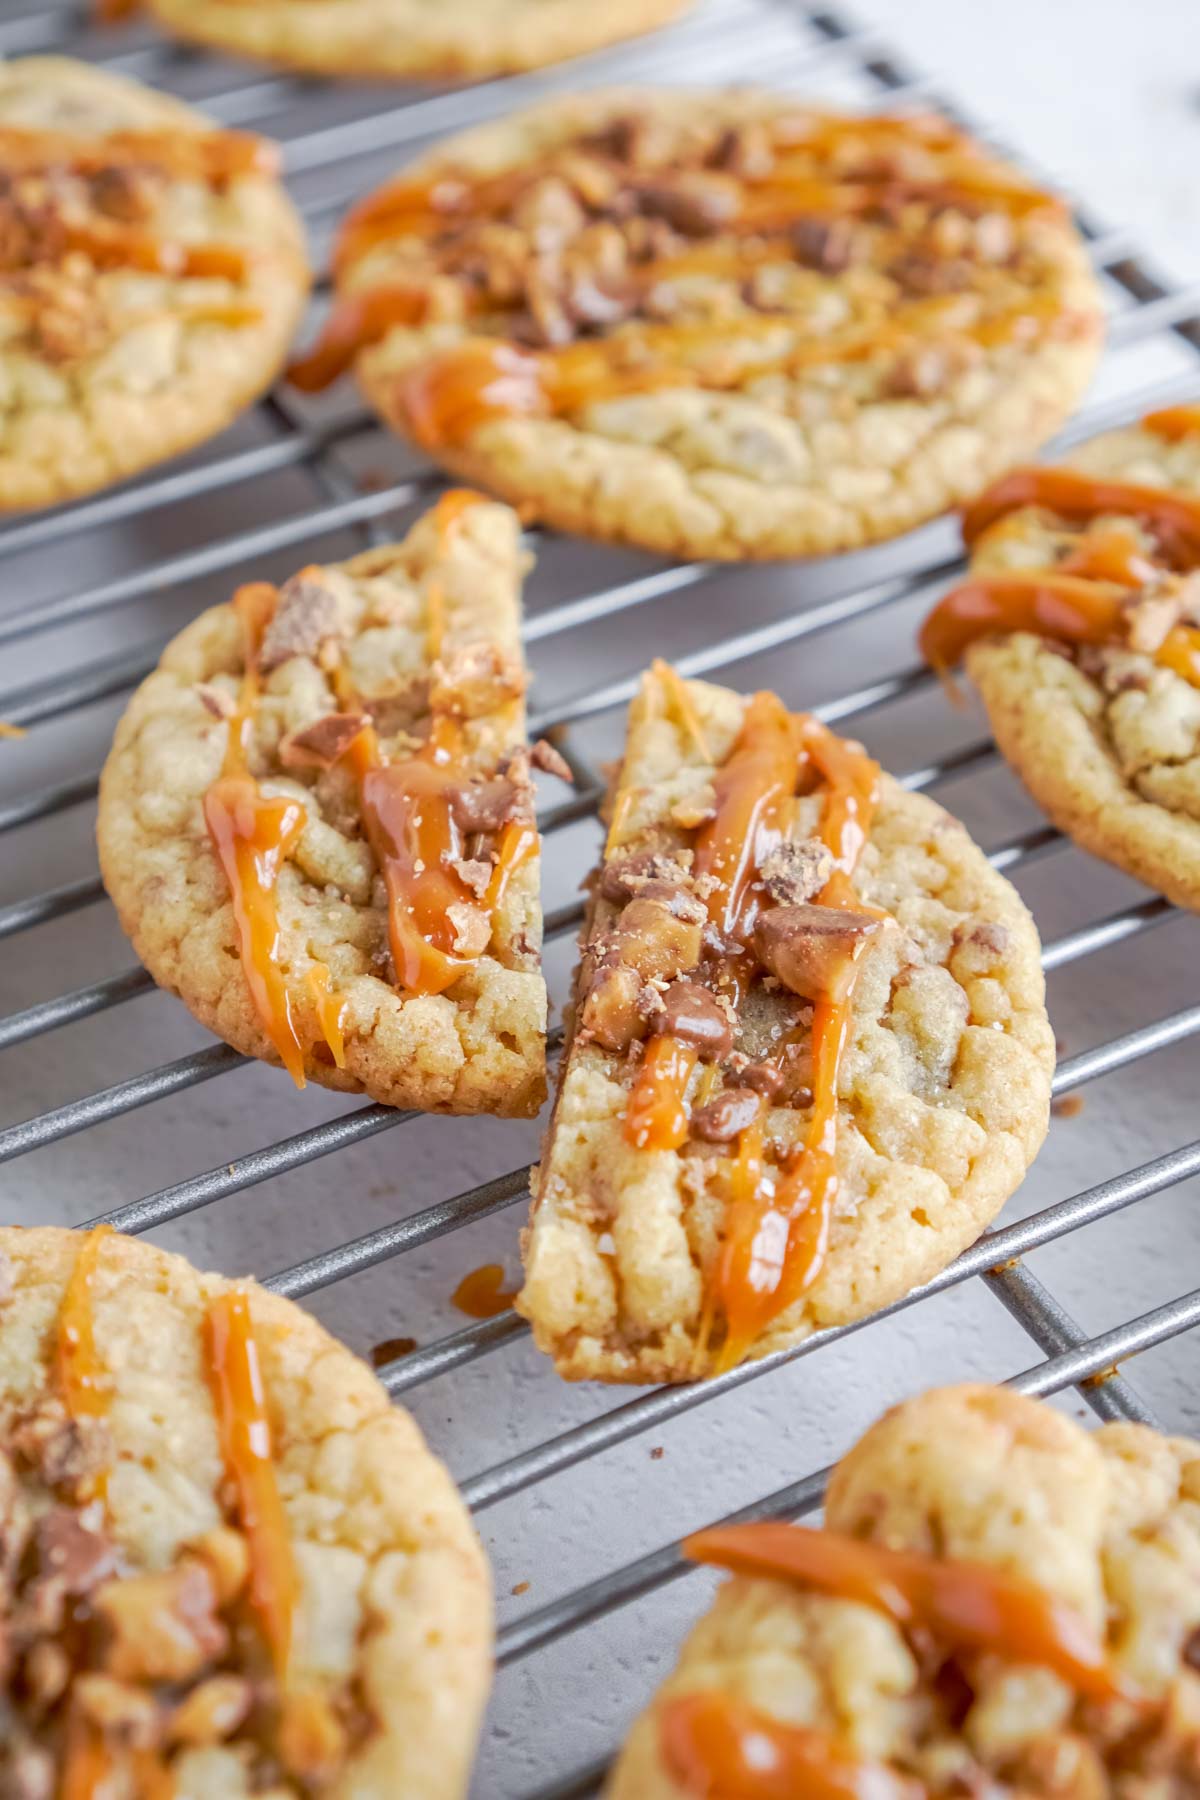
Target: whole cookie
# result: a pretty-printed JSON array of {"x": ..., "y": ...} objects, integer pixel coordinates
[
  {"x": 1076, "y": 1558},
  {"x": 403, "y": 38},
  {"x": 1080, "y": 624},
  {"x": 808, "y": 1056},
  {"x": 152, "y": 276},
  {"x": 231, "y": 1565},
  {"x": 316, "y": 822},
  {"x": 715, "y": 324}
]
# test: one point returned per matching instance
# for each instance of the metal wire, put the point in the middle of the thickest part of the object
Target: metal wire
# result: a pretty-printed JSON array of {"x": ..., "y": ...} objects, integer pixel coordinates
[{"x": 1151, "y": 312}]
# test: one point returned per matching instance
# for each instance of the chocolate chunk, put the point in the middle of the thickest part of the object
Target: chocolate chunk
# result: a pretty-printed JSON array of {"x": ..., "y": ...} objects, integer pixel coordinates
[
  {"x": 679, "y": 901},
  {"x": 71, "y": 1552},
  {"x": 550, "y": 761},
  {"x": 828, "y": 245},
  {"x": 744, "y": 150},
  {"x": 725, "y": 1117},
  {"x": 488, "y": 805},
  {"x": 812, "y": 949},
  {"x": 621, "y": 880},
  {"x": 612, "y": 1013},
  {"x": 319, "y": 745},
  {"x": 763, "y": 1077},
  {"x": 655, "y": 940},
  {"x": 695, "y": 204},
  {"x": 793, "y": 872},
  {"x": 693, "y": 1015},
  {"x": 307, "y": 616}
]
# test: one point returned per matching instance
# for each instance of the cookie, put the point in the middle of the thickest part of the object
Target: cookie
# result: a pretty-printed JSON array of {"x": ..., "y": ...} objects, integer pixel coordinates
[
  {"x": 403, "y": 38},
  {"x": 1053, "y": 1583},
  {"x": 715, "y": 324},
  {"x": 153, "y": 275},
  {"x": 316, "y": 822},
  {"x": 231, "y": 1565},
  {"x": 809, "y": 1055},
  {"x": 1079, "y": 622}
]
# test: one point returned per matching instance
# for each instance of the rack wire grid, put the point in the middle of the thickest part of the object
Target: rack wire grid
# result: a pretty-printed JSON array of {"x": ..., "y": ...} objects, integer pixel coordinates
[{"x": 581, "y": 1493}]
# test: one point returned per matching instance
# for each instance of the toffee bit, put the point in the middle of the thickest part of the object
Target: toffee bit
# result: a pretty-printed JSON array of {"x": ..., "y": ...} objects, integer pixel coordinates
[
  {"x": 307, "y": 617},
  {"x": 319, "y": 745},
  {"x": 726, "y": 1117},
  {"x": 793, "y": 872},
  {"x": 550, "y": 761},
  {"x": 811, "y": 949},
  {"x": 215, "y": 700}
]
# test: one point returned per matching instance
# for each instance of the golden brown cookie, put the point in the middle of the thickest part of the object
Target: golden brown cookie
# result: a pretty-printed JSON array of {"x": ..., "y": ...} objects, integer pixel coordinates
[
  {"x": 809, "y": 1057},
  {"x": 715, "y": 324},
  {"x": 404, "y": 38},
  {"x": 231, "y": 1565},
  {"x": 316, "y": 822},
  {"x": 1052, "y": 1581},
  {"x": 1080, "y": 624},
  {"x": 151, "y": 278}
]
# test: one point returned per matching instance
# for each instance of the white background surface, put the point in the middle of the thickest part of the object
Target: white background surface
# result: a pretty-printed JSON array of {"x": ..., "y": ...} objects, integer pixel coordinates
[{"x": 1104, "y": 95}]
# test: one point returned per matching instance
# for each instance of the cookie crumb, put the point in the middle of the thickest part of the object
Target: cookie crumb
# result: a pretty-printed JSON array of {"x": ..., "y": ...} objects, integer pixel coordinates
[
  {"x": 657, "y": 1454},
  {"x": 522, "y": 1587},
  {"x": 1068, "y": 1107}
]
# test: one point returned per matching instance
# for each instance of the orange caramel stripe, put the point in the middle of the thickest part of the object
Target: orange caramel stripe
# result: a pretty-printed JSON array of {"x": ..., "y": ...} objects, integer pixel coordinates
[
  {"x": 124, "y": 246},
  {"x": 253, "y": 836},
  {"x": 656, "y": 1117},
  {"x": 1173, "y": 422},
  {"x": 969, "y": 1605},
  {"x": 1068, "y": 608},
  {"x": 239, "y": 1398},
  {"x": 87, "y": 1766},
  {"x": 82, "y": 1378},
  {"x": 1078, "y": 497},
  {"x": 205, "y": 155},
  {"x": 718, "y": 1748},
  {"x": 330, "y": 1008},
  {"x": 355, "y": 321},
  {"x": 753, "y": 790}
]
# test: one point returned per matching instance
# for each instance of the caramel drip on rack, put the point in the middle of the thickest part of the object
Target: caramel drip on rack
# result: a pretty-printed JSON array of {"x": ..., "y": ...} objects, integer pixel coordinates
[
  {"x": 239, "y": 1398},
  {"x": 718, "y": 1748},
  {"x": 82, "y": 1378},
  {"x": 1084, "y": 598},
  {"x": 482, "y": 1294},
  {"x": 971, "y": 1606}
]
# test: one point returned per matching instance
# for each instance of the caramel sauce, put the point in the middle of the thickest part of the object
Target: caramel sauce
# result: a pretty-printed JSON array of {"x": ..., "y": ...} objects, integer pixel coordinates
[
  {"x": 968, "y": 1605},
  {"x": 482, "y": 1294},
  {"x": 390, "y": 1350},
  {"x": 1078, "y": 497},
  {"x": 330, "y": 1008},
  {"x": 753, "y": 790},
  {"x": 1173, "y": 422},
  {"x": 82, "y": 1378},
  {"x": 656, "y": 1117},
  {"x": 210, "y": 156},
  {"x": 87, "y": 1766},
  {"x": 253, "y": 837},
  {"x": 718, "y": 1748},
  {"x": 1083, "y": 598},
  {"x": 244, "y": 1426},
  {"x": 355, "y": 321}
]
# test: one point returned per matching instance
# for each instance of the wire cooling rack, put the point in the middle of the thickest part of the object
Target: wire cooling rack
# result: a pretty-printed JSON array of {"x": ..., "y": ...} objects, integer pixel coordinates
[{"x": 88, "y": 595}]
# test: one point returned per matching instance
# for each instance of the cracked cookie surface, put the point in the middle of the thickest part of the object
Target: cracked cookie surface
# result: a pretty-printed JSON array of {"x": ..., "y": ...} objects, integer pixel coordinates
[
  {"x": 152, "y": 275},
  {"x": 337, "y": 1640},
  {"x": 715, "y": 324},
  {"x": 1106, "y": 1523},
  {"x": 412, "y": 37},
  {"x": 1099, "y": 714},
  {"x": 407, "y": 933},
  {"x": 935, "y": 1101}
]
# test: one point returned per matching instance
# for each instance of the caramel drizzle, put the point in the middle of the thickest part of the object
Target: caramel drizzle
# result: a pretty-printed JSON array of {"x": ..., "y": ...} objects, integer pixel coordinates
[
  {"x": 970, "y": 1606},
  {"x": 718, "y": 1748},
  {"x": 484, "y": 378},
  {"x": 1084, "y": 598},
  {"x": 778, "y": 1220},
  {"x": 83, "y": 1380},
  {"x": 239, "y": 1397}
]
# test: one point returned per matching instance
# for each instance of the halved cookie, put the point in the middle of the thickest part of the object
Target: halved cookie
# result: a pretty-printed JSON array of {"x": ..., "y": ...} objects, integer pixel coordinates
[
  {"x": 717, "y": 324},
  {"x": 809, "y": 1058},
  {"x": 1080, "y": 624},
  {"x": 1001, "y": 1603},
  {"x": 152, "y": 275},
  {"x": 403, "y": 38},
  {"x": 316, "y": 822},
  {"x": 232, "y": 1566}
]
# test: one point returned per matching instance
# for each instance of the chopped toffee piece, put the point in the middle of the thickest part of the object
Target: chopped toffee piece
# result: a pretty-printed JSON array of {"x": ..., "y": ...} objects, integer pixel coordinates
[
  {"x": 710, "y": 1120},
  {"x": 371, "y": 823},
  {"x": 706, "y": 256}
]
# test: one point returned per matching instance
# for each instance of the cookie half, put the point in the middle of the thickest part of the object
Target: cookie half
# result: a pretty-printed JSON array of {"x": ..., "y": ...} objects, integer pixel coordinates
[
  {"x": 231, "y": 1565},
  {"x": 715, "y": 324},
  {"x": 152, "y": 278},
  {"x": 316, "y": 822},
  {"x": 1074, "y": 1555},
  {"x": 1079, "y": 622},
  {"x": 809, "y": 1055},
  {"x": 402, "y": 38}
]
